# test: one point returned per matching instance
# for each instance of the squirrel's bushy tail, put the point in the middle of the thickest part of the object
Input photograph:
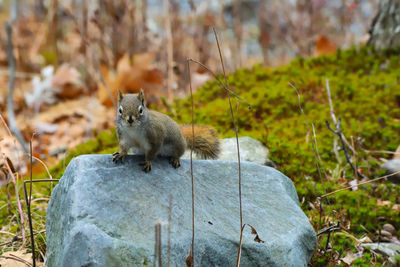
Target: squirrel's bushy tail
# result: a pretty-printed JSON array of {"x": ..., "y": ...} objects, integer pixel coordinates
[{"x": 206, "y": 142}]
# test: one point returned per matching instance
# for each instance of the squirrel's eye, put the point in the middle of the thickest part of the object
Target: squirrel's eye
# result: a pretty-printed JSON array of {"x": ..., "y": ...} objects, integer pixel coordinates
[
  {"x": 120, "y": 110},
  {"x": 140, "y": 110}
]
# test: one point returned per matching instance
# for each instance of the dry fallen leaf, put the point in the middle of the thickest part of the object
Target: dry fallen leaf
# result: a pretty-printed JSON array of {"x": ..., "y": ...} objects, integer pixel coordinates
[
  {"x": 364, "y": 239},
  {"x": 17, "y": 258},
  {"x": 10, "y": 147},
  {"x": 324, "y": 46},
  {"x": 254, "y": 232},
  {"x": 11, "y": 165},
  {"x": 350, "y": 257},
  {"x": 68, "y": 80},
  {"x": 74, "y": 120},
  {"x": 383, "y": 203},
  {"x": 396, "y": 207},
  {"x": 130, "y": 76},
  {"x": 397, "y": 153},
  {"x": 189, "y": 259}
]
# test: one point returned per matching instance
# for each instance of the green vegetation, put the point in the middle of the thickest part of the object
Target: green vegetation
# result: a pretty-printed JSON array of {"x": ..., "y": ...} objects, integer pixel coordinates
[
  {"x": 365, "y": 92},
  {"x": 365, "y": 88}
]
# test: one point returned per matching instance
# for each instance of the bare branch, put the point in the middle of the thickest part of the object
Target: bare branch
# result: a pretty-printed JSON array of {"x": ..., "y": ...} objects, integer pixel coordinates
[
  {"x": 238, "y": 151},
  {"x": 329, "y": 229},
  {"x": 170, "y": 49},
  {"x": 95, "y": 57},
  {"x": 28, "y": 206},
  {"x": 16, "y": 258},
  {"x": 330, "y": 102},
  {"x": 335, "y": 122},
  {"x": 157, "y": 245},
  {"x": 21, "y": 214},
  {"x": 169, "y": 229},
  {"x": 190, "y": 258},
  {"x": 339, "y": 133},
  {"x": 10, "y": 102},
  {"x": 366, "y": 182},
  {"x": 314, "y": 146},
  {"x": 29, "y": 212},
  {"x": 220, "y": 82}
]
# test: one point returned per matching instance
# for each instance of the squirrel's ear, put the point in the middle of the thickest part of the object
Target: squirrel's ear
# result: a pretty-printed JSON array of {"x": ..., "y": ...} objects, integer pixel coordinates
[
  {"x": 140, "y": 96},
  {"x": 120, "y": 95}
]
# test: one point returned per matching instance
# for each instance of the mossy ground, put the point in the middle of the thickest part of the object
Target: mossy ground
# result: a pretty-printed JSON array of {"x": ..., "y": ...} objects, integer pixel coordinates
[{"x": 366, "y": 95}]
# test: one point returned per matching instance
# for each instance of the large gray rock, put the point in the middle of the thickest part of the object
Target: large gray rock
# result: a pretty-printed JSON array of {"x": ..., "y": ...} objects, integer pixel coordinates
[
  {"x": 250, "y": 150},
  {"x": 103, "y": 214}
]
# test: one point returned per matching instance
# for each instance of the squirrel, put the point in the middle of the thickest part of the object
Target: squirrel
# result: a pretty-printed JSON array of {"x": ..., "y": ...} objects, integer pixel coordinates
[{"x": 154, "y": 133}]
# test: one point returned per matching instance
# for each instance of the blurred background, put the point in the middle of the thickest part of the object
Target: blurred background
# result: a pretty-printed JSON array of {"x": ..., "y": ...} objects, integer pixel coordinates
[{"x": 62, "y": 63}]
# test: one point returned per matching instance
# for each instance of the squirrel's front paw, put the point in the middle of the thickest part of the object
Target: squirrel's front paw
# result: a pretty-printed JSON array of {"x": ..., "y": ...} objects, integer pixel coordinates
[
  {"x": 174, "y": 162},
  {"x": 146, "y": 165},
  {"x": 118, "y": 157}
]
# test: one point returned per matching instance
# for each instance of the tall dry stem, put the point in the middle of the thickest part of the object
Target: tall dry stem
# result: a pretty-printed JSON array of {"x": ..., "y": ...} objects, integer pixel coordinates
[{"x": 170, "y": 49}]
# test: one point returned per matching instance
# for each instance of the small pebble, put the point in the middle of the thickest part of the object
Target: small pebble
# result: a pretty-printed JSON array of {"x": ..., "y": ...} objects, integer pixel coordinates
[
  {"x": 390, "y": 228},
  {"x": 385, "y": 233}
]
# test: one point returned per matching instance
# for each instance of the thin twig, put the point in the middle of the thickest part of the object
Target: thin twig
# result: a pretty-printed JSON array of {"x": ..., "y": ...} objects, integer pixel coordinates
[
  {"x": 330, "y": 228},
  {"x": 5, "y": 125},
  {"x": 8, "y": 195},
  {"x": 10, "y": 102},
  {"x": 253, "y": 231},
  {"x": 190, "y": 258},
  {"x": 339, "y": 133},
  {"x": 28, "y": 207},
  {"x": 42, "y": 180},
  {"x": 314, "y": 147},
  {"x": 313, "y": 144},
  {"x": 169, "y": 229},
  {"x": 328, "y": 90},
  {"x": 366, "y": 182},
  {"x": 7, "y": 233},
  {"x": 191, "y": 253},
  {"x": 157, "y": 245},
  {"x": 29, "y": 212},
  {"x": 44, "y": 165},
  {"x": 96, "y": 59},
  {"x": 159, "y": 252},
  {"x": 170, "y": 49},
  {"x": 13, "y": 257},
  {"x": 17, "y": 238},
  {"x": 330, "y": 102},
  {"x": 381, "y": 152},
  {"x": 18, "y": 74},
  {"x": 237, "y": 147},
  {"x": 21, "y": 214},
  {"x": 220, "y": 82},
  {"x": 335, "y": 146},
  {"x": 315, "y": 141}
]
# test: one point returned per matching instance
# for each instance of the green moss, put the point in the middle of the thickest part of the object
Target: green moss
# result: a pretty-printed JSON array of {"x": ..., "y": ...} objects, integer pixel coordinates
[{"x": 365, "y": 92}]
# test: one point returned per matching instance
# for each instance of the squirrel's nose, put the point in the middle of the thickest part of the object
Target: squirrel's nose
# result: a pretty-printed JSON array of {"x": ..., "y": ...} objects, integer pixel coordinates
[{"x": 130, "y": 120}]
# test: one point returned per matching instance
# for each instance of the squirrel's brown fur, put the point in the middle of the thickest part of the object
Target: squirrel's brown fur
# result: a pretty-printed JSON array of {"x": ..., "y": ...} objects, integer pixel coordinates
[{"x": 206, "y": 142}]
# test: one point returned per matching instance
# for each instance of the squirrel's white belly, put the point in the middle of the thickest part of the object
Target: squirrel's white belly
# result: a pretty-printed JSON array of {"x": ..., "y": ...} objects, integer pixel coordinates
[{"x": 134, "y": 139}]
